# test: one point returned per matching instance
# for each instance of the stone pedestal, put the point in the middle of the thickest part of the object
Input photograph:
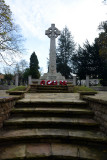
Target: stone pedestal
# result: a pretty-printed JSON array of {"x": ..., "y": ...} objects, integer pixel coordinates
[{"x": 52, "y": 76}]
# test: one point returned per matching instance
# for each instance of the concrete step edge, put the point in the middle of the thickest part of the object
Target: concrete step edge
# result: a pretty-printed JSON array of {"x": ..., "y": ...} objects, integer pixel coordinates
[
  {"x": 52, "y": 152},
  {"x": 52, "y": 135}
]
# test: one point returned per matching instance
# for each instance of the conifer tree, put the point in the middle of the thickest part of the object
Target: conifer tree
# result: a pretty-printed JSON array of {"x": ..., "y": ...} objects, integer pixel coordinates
[
  {"x": 34, "y": 66},
  {"x": 102, "y": 39},
  {"x": 87, "y": 61},
  {"x": 65, "y": 49}
]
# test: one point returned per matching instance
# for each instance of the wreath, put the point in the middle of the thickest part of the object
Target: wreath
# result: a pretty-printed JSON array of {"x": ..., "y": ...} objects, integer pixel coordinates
[
  {"x": 42, "y": 82},
  {"x": 54, "y": 83},
  {"x": 49, "y": 82},
  {"x": 63, "y": 82}
]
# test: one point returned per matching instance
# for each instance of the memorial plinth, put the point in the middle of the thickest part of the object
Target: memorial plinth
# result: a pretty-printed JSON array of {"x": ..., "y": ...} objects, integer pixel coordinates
[{"x": 52, "y": 33}]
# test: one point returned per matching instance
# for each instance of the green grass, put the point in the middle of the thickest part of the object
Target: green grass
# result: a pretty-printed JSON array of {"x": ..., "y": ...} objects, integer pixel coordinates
[
  {"x": 76, "y": 89},
  {"x": 82, "y": 88},
  {"x": 19, "y": 88}
]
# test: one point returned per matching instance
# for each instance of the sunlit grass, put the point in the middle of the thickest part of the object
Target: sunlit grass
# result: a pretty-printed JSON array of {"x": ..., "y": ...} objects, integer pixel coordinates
[
  {"x": 76, "y": 89},
  {"x": 19, "y": 88},
  {"x": 82, "y": 88}
]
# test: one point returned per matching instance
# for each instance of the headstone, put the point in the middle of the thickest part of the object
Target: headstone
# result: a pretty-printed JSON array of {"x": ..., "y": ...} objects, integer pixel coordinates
[
  {"x": 87, "y": 81},
  {"x": 52, "y": 33},
  {"x": 16, "y": 80},
  {"x": 74, "y": 80},
  {"x": 29, "y": 79}
]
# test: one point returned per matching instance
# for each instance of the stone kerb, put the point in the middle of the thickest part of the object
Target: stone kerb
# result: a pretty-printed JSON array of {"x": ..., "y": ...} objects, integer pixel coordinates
[{"x": 84, "y": 93}]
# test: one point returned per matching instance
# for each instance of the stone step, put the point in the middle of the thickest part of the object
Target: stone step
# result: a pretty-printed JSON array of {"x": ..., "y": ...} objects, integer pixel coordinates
[
  {"x": 51, "y": 104},
  {"x": 44, "y": 88},
  {"x": 51, "y": 122},
  {"x": 51, "y": 88},
  {"x": 52, "y": 136},
  {"x": 48, "y": 91},
  {"x": 52, "y": 151},
  {"x": 47, "y": 86},
  {"x": 49, "y": 112},
  {"x": 52, "y": 129}
]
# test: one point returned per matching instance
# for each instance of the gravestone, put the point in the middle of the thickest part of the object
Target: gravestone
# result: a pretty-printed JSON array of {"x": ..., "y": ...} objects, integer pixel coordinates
[
  {"x": 74, "y": 80},
  {"x": 87, "y": 81},
  {"x": 52, "y": 33},
  {"x": 29, "y": 79},
  {"x": 16, "y": 80}
]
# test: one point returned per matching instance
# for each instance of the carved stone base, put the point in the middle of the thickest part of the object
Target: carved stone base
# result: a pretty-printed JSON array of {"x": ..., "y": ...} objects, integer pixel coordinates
[{"x": 52, "y": 76}]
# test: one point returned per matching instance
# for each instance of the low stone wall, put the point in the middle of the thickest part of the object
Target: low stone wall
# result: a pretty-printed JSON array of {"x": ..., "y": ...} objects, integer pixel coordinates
[
  {"x": 6, "y": 105},
  {"x": 100, "y": 109}
]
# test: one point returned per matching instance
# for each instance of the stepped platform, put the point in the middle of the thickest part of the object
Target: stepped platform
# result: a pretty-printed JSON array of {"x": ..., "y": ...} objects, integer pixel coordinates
[
  {"x": 54, "y": 126},
  {"x": 34, "y": 88}
]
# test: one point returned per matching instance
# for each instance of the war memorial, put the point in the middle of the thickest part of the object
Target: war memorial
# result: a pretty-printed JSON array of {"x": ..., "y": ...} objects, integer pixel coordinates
[
  {"x": 52, "y": 33},
  {"x": 50, "y": 122}
]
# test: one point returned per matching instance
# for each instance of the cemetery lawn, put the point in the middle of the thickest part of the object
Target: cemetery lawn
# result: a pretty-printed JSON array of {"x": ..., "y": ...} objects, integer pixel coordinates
[
  {"x": 82, "y": 88},
  {"x": 19, "y": 88}
]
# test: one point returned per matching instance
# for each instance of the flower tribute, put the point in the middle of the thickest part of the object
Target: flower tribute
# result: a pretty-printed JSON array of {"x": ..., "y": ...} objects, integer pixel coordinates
[{"x": 49, "y": 82}]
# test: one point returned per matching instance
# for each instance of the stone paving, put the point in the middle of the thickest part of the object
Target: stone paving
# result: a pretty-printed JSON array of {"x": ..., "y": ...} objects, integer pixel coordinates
[
  {"x": 52, "y": 97},
  {"x": 102, "y": 95}
]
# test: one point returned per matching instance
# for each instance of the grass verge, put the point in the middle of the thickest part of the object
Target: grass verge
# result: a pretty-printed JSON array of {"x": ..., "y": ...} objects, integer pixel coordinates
[
  {"x": 82, "y": 88},
  {"x": 19, "y": 88},
  {"x": 76, "y": 89}
]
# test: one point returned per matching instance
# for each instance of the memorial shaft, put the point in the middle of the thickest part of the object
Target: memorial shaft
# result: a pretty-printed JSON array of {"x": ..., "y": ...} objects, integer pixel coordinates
[
  {"x": 52, "y": 33},
  {"x": 52, "y": 63}
]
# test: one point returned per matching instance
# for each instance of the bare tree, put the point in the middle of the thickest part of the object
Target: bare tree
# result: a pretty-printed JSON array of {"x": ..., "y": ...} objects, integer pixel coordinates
[{"x": 10, "y": 39}]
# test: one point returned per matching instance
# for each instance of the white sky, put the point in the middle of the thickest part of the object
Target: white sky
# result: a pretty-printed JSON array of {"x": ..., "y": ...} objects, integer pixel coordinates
[{"x": 82, "y": 17}]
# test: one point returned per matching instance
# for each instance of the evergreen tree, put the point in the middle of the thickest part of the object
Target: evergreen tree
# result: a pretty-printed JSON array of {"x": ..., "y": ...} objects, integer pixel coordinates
[
  {"x": 102, "y": 39},
  {"x": 65, "y": 49},
  {"x": 26, "y": 74},
  {"x": 87, "y": 61},
  {"x": 34, "y": 66}
]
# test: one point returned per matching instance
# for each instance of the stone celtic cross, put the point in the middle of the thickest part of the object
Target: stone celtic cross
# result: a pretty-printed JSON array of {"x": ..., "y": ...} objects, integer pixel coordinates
[{"x": 52, "y": 33}]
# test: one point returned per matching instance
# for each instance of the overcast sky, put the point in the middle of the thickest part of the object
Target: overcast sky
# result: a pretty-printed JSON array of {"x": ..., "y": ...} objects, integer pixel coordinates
[{"x": 82, "y": 17}]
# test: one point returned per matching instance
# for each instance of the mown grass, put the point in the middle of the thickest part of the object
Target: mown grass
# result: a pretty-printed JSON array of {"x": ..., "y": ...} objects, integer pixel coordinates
[
  {"x": 82, "y": 88},
  {"x": 76, "y": 89},
  {"x": 19, "y": 88}
]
